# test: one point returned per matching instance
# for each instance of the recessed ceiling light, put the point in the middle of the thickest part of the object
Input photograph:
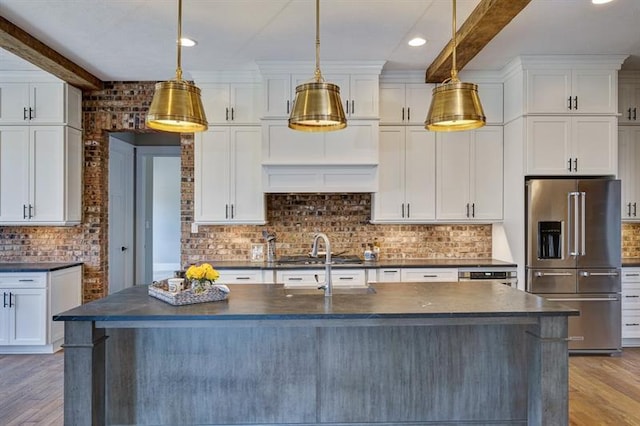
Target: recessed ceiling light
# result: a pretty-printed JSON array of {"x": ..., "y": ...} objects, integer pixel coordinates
[
  {"x": 600, "y": 1},
  {"x": 418, "y": 41},
  {"x": 187, "y": 42}
]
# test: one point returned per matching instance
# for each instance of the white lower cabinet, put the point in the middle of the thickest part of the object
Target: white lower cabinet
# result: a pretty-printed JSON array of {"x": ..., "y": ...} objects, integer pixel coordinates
[
  {"x": 630, "y": 307},
  {"x": 355, "y": 277},
  {"x": 29, "y": 301},
  {"x": 40, "y": 175},
  {"x": 406, "y": 176},
  {"x": 470, "y": 175},
  {"x": 227, "y": 176}
]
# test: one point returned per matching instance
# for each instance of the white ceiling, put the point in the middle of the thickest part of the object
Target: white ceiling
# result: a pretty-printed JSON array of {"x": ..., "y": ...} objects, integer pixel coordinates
[{"x": 134, "y": 39}]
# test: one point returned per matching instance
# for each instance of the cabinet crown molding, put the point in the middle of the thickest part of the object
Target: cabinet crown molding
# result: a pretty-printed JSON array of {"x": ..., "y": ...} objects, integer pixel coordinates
[{"x": 564, "y": 61}]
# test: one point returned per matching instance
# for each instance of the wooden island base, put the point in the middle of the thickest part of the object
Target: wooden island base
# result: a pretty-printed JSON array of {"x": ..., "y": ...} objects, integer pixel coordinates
[{"x": 339, "y": 370}]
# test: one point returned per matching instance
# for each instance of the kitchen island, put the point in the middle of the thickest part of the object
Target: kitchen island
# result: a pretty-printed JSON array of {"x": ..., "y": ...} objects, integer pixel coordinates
[{"x": 427, "y": 353}]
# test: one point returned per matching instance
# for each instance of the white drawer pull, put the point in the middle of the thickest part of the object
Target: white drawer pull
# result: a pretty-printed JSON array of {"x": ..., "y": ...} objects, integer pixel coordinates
[
  {"x": 243, "y": 278},
  {"x": 633, "y": 324},
  {"x": 346, "y": 278},
  {"x": 635, "y": 295}
]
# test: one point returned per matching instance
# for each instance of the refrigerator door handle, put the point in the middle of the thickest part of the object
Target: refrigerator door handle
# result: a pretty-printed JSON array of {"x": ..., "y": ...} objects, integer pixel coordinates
[
  {"x": 583, "y": 225},
  {"x": 598, "y": 274},
  {"x": 582, "y": 299},
  {"x": 573, "y": 222},
  {"x": 552, "y": 274}
]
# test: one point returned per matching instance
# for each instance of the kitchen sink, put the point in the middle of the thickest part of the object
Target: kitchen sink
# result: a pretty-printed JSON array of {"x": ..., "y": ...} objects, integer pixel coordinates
[
  {"x": 319, "y": 292},
  {"x": 318, "y": 261}
]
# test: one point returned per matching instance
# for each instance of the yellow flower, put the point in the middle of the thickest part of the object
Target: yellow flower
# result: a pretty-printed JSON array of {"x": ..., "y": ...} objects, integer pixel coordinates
[{"x": 203, "y": 272}]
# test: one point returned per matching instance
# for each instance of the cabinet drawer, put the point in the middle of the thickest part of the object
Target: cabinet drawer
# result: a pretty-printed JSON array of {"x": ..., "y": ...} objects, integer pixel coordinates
[
  {"x": 386, "y": 275},
  {"x": 631, "y": 296},
  {"x": 17, "y": 280},
  {"x": 428, "y": 275},
  {"x": 241, "y": 276},
  {"x": 630, "y": 325},
  {"x": 307, "y": 277},
  {"x": 630, "y": 275}
]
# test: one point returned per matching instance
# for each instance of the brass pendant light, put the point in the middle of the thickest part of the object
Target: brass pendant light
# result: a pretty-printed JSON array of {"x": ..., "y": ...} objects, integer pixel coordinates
[
  {"x": 455, "y": 105},
  {"x": 176, "y": 104},
  {"x": 317, "y": 106}
]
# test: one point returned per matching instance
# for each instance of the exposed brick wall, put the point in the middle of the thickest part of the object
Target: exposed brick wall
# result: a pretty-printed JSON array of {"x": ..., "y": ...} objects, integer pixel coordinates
[{"x": 630, "y": 240}]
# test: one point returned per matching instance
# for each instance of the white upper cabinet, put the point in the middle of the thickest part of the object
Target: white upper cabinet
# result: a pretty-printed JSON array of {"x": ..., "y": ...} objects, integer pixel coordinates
[
  {"x": 40, "y": 103},
  {"x": 565, "y": 145},
  {"x": 404, "y": 103},
  {"x": 40, "y": 175},
  {"x": 629, "y": 171},
  {"x": 407, "y": 176},
  {"x": 358, "y": 82},
  {"x": 571, "y": 91},
  {"x": 231, "y": 103},
  {"x": 359, "y": 94},
  {"x": 227, "y": 176},
  {"x": 470, "y": 175},
  {"x": 629, "y": 97}
]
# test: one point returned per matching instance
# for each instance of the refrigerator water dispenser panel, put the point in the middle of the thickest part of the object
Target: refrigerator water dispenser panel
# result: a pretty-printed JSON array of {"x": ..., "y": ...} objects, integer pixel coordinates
[{"x": 550, "y": 240}]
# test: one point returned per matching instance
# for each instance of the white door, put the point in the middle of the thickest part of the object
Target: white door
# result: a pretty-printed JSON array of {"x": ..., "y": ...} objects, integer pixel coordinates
[
  {"x": 166, "y": 216},
  {"x": 5, "y": 313},
  {"x": 14, "y": 173},
  {"x": 420, "y": 174},
  {"x": 389, "y": 200},
  {"x": 487, "y": 181},
  {"x": 453, "y": 175},
  {"x": 246, "y": 183},
  {"x": 121, "y": 184},
  {"x": 595, "y": 145},
  {"x": 48, "y": 173}
]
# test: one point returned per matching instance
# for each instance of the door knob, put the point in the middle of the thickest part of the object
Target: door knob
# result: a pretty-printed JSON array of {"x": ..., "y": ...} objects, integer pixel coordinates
[{"x": 123, "y": 248}]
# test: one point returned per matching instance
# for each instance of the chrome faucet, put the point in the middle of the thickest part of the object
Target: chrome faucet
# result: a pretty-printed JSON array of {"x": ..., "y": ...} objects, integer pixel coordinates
[{"x": 327, "y": 286}]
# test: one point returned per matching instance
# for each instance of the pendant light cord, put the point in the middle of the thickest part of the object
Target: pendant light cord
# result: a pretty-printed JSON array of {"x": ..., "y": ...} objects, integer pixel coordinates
[
  {"x": 454, "y": 69},
  {"x": 178, "y": 67},
  {"x": 317, "y": 73}
]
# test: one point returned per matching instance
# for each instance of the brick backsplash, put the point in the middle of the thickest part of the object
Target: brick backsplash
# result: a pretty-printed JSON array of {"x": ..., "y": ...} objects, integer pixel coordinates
[{"x": 630, "y": 240}]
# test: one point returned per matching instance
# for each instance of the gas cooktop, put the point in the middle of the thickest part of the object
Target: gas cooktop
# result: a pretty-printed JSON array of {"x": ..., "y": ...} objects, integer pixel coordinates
[{"x": 350, "y": 259}]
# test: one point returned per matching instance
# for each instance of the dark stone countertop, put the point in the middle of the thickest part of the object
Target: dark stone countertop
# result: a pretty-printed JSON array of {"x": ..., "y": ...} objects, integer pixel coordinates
[
  {"x": 35, "y": 266},
  {"x": 630, "y": 262},
  {"x": 269, "y": 302},
  {"x": 384, "y": 263}
]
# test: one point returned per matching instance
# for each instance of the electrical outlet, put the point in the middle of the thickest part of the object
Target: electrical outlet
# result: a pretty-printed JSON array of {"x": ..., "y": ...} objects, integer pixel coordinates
[{"x": 194, "y": 228}]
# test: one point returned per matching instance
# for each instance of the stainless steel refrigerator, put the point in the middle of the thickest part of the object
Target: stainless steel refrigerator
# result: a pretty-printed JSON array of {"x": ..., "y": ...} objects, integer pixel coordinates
[{"x": 574, "y": 255}]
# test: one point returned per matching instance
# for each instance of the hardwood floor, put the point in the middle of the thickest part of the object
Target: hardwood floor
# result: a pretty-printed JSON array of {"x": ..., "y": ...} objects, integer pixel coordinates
[{"x": 603, "y": 390}]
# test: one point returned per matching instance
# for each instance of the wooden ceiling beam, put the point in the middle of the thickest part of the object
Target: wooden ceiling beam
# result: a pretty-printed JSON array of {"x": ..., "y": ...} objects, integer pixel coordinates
[
  {"x": 486, "y": 20},
  {"x": 22, "y": 44}
]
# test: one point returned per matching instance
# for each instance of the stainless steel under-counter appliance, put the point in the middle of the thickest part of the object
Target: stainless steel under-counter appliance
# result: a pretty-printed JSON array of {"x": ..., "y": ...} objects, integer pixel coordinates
[{"x": 574, "y": 255}]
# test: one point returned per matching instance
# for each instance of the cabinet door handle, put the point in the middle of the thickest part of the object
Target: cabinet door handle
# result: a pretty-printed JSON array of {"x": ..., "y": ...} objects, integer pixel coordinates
[
  {"x": 11, "y": 300},
  {"x": 634, "y": 209},
  {"x": 231, "y": 211},
  {"x": 569, "y": 164},
  {"x": 347, "y": 103},
  {"x": 569, "y": 103},
  {"x": 575, "y": 164},
  {"x": 634, "y": 113},
  {"x": 408, "y": 209},
  {"x": 467, "y": 209},
  {"x": 632, "y": 296},
  {"x": 24, "y": 211},
  {"x": 226, "y": 114},
  {"x": 289, "y": 112},
  {"x": 353, "y": 106},
  {"x": 226, "y": 211},
  {"x": 408, "y": 113},
  {"x": 628, "y": 209},
  {"x": 402, "y": 209},
  {"x": 629, "y": 114},
  {"x": 4, "y": 300},
  {"x": 32, "y": 212},
  {"x": 632, "y": 324},
  {"x": 403, "y": 113},
  {"x": 24, "y": 116},
  {"x": 575, "y": 102},
  {"x": 232, "y": 114}
]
